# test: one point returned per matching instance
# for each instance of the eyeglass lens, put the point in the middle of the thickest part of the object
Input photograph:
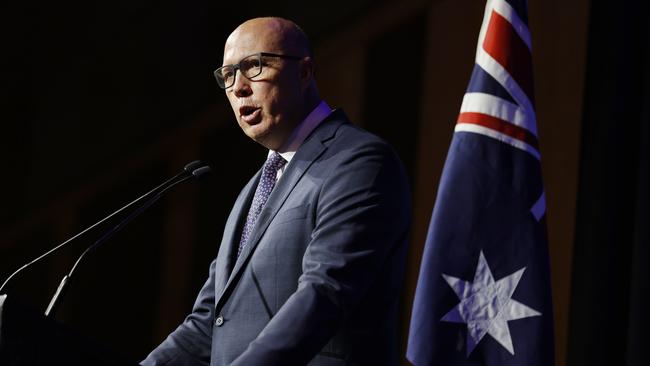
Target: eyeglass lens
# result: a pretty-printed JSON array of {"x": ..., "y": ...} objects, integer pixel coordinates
[{"x": 250, "y": 67}]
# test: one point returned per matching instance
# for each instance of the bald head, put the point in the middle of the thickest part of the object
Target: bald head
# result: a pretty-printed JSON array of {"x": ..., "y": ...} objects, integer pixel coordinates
[{"x": 277, "y": 34}]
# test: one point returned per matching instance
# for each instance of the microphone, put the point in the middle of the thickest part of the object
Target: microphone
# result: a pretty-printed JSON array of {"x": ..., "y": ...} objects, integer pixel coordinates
[{"x": 193, "y": 170}]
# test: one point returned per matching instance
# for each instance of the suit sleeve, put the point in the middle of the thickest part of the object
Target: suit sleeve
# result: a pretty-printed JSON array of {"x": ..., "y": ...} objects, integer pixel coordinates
[
  {"x": 190, "y": 343},
  {"x": 362, "y": 213}
]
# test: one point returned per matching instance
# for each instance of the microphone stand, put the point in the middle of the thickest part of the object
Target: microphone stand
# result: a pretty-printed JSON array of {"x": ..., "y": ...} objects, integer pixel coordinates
[
  {"x": 63, "y": 286},
  {"x": 195, "y": 169}
]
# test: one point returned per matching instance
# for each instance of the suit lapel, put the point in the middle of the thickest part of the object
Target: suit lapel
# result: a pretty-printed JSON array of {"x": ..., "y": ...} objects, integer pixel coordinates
[
  {"x": 308, "y": 152},
  {"x": 230, "y": 240}
]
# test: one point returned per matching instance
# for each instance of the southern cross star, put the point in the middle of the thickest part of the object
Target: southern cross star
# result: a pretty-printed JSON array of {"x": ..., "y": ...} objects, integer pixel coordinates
[{"x": 486, "y": 306}]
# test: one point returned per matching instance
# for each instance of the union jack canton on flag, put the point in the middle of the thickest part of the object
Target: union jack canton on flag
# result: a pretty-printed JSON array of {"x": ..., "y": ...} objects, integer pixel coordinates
[{"x": 483, "y": 295}]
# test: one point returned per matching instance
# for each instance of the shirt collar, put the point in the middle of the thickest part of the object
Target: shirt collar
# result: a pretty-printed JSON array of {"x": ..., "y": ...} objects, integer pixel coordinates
[{"x": 300, "y": 133}]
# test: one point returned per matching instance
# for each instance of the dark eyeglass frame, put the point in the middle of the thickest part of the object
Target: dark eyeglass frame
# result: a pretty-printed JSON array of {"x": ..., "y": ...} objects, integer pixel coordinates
[{"x": 237, "y": 66}]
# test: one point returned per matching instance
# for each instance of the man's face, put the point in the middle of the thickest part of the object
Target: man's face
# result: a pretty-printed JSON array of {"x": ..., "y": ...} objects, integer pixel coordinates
[{"x": 267, "y": 108}]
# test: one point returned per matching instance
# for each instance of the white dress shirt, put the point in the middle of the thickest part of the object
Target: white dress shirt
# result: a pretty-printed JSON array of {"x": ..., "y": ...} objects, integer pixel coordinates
[{"x": 300, "y": 133}]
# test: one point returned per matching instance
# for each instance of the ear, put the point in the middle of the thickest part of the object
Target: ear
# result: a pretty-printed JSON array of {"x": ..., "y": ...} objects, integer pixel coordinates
[{"x": 307, "y": 72}]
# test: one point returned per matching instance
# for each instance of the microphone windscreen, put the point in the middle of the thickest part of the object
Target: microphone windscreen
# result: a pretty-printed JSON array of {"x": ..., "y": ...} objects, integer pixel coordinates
[
  {"x": 192, "y": 166},
  {"x": 200, "y": 172}
]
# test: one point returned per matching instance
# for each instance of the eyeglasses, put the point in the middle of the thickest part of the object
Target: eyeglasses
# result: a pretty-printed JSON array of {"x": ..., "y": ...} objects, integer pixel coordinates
[{"x": 250, "y": 67}]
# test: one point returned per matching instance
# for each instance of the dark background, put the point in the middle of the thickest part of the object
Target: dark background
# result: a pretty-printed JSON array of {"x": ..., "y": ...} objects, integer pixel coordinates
[{"x": 101, "y": 101}]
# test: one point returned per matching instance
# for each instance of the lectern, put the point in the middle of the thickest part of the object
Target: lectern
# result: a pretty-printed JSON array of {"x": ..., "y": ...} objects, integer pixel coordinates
[{"x": 29, "y": 338}]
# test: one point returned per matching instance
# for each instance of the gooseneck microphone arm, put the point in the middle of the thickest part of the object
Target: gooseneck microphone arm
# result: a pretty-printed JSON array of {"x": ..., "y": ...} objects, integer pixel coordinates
[
  {"x": 195, "y": 169},
  {"x": 63, "y": 286}
]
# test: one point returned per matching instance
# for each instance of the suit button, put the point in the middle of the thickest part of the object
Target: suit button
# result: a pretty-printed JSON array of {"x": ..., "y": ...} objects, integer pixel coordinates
[{"x": 219, "y": 321}]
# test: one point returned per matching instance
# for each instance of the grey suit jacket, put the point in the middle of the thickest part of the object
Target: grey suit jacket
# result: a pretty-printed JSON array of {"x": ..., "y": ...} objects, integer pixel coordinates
[{"x": 319, "y": 281}]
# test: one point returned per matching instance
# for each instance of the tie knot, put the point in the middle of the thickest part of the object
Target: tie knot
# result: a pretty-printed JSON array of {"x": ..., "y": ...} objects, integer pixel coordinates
[{"x": 275, "y": 161}]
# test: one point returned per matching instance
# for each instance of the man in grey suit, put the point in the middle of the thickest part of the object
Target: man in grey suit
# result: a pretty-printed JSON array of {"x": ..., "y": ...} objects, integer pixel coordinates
[{"x": 312, "y": 258}]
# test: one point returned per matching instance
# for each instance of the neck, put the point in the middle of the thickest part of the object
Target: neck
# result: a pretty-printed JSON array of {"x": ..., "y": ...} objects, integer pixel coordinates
[
  {"x": 309, "y": 106},
  {"x": 307, "y": 109}
]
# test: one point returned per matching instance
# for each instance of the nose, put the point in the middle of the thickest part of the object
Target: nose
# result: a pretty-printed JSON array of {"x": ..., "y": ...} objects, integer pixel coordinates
[{"x": 241, "y": 87}]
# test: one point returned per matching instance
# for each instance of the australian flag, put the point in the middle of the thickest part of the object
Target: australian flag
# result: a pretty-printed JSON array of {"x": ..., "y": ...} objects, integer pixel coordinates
[{"x": 483, "y": 295}]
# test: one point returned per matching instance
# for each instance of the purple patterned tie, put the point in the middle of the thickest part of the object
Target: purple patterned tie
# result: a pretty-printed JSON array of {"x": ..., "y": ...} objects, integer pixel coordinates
[{"x": 262, "y": 193}]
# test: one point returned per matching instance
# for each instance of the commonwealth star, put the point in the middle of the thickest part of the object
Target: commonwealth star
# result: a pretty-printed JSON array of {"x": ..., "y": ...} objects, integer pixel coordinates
[{"x": 486, "y": 306}]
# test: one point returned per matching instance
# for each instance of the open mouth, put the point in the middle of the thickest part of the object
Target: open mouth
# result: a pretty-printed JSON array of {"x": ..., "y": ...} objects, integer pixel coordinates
[
  {"x": 249, "y": 114},
  {"x": 247, "y": 110}
]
